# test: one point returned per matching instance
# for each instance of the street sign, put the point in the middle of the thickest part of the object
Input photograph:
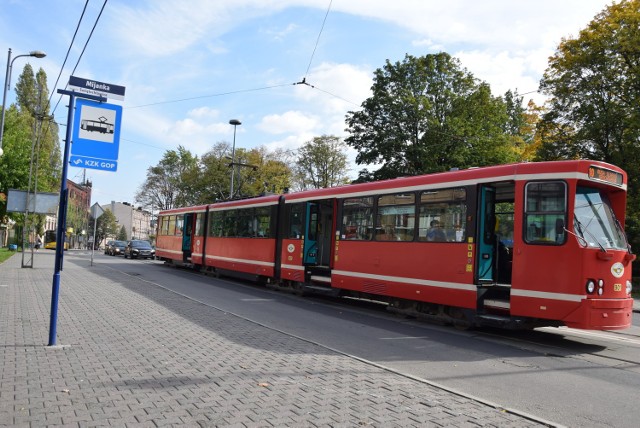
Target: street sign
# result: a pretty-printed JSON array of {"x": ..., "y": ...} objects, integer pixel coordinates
[
  {"x": 96, "y": 210},
  {"x": 96, "y": 135},
  {"x": 93, "y": 87}
]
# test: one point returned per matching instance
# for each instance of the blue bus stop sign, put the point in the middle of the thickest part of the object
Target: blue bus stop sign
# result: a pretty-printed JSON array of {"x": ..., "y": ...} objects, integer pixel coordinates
[{"x": 96, "y": 135}]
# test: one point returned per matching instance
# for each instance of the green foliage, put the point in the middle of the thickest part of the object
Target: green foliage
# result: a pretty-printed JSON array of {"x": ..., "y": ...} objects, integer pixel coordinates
[
  {"x": 428, "y": 114},
  {"x": 182, "y": 179},
  {"x": 122, "y": 234},
  {"x": 168, "y": 184},
  {"x": 106, "y": 226},
  {"x": 594, "y": 84},
  {"x": 30, "y": 140},
  {"x": 321, "y": 162}
]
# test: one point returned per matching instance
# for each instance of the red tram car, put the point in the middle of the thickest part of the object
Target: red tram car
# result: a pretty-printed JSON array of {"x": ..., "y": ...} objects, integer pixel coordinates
[{"x": 515, "y": 246}]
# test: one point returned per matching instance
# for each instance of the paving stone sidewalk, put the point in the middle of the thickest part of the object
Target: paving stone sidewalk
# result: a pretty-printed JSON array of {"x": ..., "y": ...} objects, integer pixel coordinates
[{"x": 133, "y": 354}]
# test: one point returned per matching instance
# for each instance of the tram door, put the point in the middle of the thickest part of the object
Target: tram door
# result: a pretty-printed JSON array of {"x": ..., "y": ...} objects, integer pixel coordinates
[
  {"x": 187, "y": 230},
  {"x": 486, "y": 235},
  {"x": 311, "y": 234},
  {"x": 317, "y": 236}
]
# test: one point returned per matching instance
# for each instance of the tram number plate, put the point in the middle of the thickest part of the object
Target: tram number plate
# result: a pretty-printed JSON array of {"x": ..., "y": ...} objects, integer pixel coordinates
[{"x": 617, "y": 287}]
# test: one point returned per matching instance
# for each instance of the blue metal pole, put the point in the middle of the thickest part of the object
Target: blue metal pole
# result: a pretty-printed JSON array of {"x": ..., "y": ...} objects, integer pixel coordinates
[
  {"x": 62, "y": 214},
  {"x": 60, "y": 232}
]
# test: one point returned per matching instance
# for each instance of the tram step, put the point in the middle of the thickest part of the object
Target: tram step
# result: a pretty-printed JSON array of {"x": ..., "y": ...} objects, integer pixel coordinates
[
  {"x": 498, "y": 304},
  {"x": 318, "y": 289}
]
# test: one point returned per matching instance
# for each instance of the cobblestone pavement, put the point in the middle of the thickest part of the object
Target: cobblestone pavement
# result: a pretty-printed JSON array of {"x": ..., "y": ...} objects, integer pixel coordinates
[{"x": 129, "y": 353}]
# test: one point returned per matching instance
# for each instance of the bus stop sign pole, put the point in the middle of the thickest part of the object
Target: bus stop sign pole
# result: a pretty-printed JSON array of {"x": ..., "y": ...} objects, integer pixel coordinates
[{"x": 62, "y": 212}]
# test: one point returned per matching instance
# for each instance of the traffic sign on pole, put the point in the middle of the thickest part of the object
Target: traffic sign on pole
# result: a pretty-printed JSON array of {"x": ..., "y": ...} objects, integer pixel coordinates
[{"x": 96, "y": 135}]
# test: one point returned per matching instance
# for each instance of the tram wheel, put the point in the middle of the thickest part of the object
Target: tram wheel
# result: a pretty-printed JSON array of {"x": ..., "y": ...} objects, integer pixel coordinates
[{"x": 459, "y": 319}]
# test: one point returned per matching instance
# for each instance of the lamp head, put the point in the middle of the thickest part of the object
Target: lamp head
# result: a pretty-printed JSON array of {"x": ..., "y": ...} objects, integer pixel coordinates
[
  {"x": 37, "y": 54},
  {"x": 235, "y": 122}
]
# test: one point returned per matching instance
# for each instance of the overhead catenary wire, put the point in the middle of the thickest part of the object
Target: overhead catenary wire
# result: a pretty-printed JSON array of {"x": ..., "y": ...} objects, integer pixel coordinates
[
  {"x": 317, "y": 40},
  {"x": 95, "y": 24}
]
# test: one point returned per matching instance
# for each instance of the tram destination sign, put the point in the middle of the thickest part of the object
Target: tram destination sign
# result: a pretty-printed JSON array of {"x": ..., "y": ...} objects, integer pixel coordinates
[
  {"x": 93, "y": 87},
  {"x": 606, "y": 175}
]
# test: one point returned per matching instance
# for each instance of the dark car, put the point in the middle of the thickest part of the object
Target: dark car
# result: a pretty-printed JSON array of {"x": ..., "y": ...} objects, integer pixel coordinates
[
  {"x": 117, "y": 248},
  {"x": 106, "y": 247},
  {"x": 139, "y": 249}
]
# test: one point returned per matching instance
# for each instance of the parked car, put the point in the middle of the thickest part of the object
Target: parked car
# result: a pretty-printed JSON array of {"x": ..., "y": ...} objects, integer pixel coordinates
[
  {"x": 139, "y": 249},
  {"x": 117, "y": 248},
  {"x": 106, "y": 247}
]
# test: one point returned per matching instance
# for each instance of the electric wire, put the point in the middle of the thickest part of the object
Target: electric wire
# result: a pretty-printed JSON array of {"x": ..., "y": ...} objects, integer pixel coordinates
[
  {"x": 95, "y": 24},
  {"x": 68, "y": 52},
  {"x": 208, "y": 96},
  {"x": 318, "y": 39}
]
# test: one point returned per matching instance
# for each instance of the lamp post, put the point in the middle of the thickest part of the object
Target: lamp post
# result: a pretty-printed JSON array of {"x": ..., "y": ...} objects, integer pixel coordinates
[
  {"x": 7, "y": 83},
  {"x": 235, "y": 123}
]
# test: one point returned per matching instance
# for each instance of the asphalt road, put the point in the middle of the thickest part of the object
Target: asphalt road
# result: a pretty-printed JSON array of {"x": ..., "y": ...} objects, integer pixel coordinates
[{"x": 571, "y": 377}]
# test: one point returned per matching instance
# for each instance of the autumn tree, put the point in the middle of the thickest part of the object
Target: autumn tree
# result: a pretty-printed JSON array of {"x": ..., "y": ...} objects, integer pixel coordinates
[
  {"x": 593, "y": 82},
  {"x": 169, "y": 184},
  {"x": 429, "y": 114},
  {"x": 257, "y": 171},
  {"x": 321, "y": 162},
  {"x": 262, "y": 171}
]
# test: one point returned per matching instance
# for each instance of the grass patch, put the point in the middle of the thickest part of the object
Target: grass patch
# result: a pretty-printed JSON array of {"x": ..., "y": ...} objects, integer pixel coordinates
[{"x": 5, "y": 254}]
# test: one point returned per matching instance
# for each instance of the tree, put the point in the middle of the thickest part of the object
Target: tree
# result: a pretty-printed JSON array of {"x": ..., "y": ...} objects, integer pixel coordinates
[
  {"x": 267, "y": 172},
  {"x": 29, "y": 131},
  {"x": 263, "y": 171},
  {"x": 321, "y": 162},
  {"x": 122, "y": 234},
  {"x": 106, "y": 226},
  {"x": 169, "y": 184},
  {"x": 428, "y": 114},
  {"x": 594, "y": 84}
]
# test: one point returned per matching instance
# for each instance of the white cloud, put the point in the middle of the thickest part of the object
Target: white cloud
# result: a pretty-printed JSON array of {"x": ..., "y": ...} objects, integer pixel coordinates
[{"x": 294, "y": 122}]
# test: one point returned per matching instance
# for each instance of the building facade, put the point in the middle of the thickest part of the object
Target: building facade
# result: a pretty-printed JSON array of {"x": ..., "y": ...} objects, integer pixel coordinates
[
  {"x": 136, "y": 221},
  {"x": 78, "y": 213}
]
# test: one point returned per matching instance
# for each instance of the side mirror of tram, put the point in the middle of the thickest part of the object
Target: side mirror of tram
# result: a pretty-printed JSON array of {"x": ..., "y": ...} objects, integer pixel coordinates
[{"x": 559, "y": 226}]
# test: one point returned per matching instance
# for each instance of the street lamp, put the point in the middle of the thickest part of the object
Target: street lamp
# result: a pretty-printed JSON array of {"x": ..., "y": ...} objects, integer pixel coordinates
[
  {"x": 7, "y": 82},
  {"x": 235, "y": 123}
]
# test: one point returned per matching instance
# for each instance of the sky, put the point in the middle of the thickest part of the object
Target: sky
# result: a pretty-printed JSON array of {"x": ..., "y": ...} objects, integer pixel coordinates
[{"x": 189, "y": 67}]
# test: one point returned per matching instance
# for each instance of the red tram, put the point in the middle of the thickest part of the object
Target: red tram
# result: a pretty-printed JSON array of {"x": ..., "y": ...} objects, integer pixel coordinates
[{"x": 514, "y": 246}]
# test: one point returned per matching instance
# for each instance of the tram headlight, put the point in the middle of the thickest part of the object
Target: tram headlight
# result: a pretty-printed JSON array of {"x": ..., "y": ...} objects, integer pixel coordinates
[
  {"x": 591, "y": 286},
  {"x": 629, "y": 286},
  {"x": 600, "y": 291},
  {"x": 601, "y": 283}
]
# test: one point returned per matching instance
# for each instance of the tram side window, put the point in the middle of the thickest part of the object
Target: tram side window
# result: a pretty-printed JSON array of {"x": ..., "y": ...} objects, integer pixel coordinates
[
  {"x": 216, "y": 220},
  {"x": 199, "y": 224},
  {"x": 262, "y": 222},
  {"x": 294, "y": 225},
  {"x": 357, "y": 219},
  {"x": 171, "y": 226},
  {"x": 230, "y": 224},
  {"x": 545, "y": 212},
  {"x": 179, "y": 224},
  {"x": 442, "y": 215},
  {"x": 163, "y": 225},
  {"x": 396, "y": 217},
  {"x": 245, "y": 223}
]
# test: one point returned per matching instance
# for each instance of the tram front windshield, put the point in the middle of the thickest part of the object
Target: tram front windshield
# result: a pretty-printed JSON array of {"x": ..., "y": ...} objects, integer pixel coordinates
[{"x": 595, "y": 221}]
